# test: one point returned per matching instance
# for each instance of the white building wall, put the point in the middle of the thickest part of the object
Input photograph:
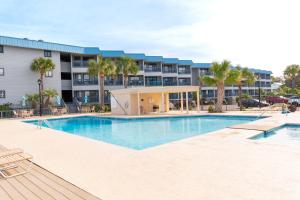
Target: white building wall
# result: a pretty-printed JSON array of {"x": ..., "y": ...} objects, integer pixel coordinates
[{"x": 19, "y": 79}]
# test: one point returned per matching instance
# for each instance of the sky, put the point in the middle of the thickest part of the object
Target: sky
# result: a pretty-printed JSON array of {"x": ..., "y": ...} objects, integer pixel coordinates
[{"x": 262, "y": 34}]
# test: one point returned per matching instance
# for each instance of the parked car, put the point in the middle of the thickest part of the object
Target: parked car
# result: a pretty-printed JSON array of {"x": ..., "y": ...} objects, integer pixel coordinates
[
  {"x": 249, "y": 103},
  {"x": 276, "y": 99},
  {"x": 295, "y": 100}
]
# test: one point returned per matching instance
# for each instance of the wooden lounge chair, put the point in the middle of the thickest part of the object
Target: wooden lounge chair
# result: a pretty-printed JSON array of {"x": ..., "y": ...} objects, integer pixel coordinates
[{"x": 10, "y": 158}]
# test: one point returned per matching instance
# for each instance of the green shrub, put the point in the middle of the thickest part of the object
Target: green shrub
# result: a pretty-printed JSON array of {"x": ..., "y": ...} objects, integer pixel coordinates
[
  {"x": 97, "y": 108},
  {"x": 106, "y": 108},
  {"x": 5, "y": 106},
  {"x": 211, "y": 109}
]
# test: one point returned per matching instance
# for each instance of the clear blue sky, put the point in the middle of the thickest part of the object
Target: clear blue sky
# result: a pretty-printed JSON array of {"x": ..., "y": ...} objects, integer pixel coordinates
[{"x": 251, "y": 33}]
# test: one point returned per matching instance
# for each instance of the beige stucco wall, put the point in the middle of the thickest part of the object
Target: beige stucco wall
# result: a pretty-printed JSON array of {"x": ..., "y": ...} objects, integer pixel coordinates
[{"x": 122, "y": 100}]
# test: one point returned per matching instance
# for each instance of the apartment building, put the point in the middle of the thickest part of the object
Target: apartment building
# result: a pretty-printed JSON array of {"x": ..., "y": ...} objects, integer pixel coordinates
[{"x": 71, "y": 80}]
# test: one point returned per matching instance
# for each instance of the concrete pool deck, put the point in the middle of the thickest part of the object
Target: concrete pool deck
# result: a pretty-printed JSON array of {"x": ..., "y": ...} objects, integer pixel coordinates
[{"x": 220, "y": 165}]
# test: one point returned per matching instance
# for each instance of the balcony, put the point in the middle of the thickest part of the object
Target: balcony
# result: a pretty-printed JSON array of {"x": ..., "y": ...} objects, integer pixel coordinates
[
  {"x": 169, "y": 70},
  {"x": 112, "y": 82},
  {"x": 170, "y": 81},
  {"x": 136, "y": 83},
  {"x": 185, "y": 81},
  {"x": 153, "y": 83},
  {"x": 88, "y": 99},
  {"x": 206, "y": 73},
  {"x": 85, "y": 82},
  {"x": 184, "y": 70},
  {"x": 80, "y": 63},
  {"x": 152, "y": 68}
]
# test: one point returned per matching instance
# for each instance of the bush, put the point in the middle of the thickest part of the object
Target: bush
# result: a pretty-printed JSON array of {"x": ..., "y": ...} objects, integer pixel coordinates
[
  {"x": 106, "y": 108},
  {"x": 211, "y": 109},
  {"x": 97, "y": 108},
  {"x": 5, "y": 106}
]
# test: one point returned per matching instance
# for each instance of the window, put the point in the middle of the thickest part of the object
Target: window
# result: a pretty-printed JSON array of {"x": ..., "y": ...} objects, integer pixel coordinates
[
  {"x": 2, "y": 94},
  {"x": 47, "y": 53},
  {"x": 1, "y": 49},
  {"x": 49, "y": 74},
  {"x": 1, "y": 71}
]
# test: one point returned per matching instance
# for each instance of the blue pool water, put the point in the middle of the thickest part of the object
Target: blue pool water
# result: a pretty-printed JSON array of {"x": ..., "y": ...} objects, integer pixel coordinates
[
  {"x": 141, "y": 133},
  {"x": 288, "y": 134}
]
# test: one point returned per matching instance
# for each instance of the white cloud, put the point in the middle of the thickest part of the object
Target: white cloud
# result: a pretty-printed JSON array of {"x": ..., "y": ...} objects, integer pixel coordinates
[{"x": 255, "y": 33}]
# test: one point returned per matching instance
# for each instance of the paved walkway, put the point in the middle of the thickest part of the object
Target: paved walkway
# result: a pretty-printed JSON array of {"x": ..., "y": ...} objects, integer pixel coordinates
[{"x": 221, "y": 165}]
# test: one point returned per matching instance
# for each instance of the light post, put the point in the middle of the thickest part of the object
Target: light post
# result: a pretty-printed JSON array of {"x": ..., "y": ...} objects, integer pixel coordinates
[
  {"x": 259, "y": 91},
  {"x": 40, "y": 97}
]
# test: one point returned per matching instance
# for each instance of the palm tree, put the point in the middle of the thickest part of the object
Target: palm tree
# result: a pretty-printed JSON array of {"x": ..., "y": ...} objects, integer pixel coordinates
[
  {"x": 126, "y": 66},
  {"x": 49, "y": 93},
  {"x": 291, "y": 73},
  {"x": 239, "y": 76},
  {"x": 42, "y": 65},
  {"x": 101, "y": 68},
  {"x": 33, "y": 99},
  {"x": 221, "y": 76}
]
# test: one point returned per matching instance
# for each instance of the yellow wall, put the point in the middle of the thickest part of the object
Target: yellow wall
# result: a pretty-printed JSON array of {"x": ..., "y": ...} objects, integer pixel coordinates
[{"x": 146, "y": 106}]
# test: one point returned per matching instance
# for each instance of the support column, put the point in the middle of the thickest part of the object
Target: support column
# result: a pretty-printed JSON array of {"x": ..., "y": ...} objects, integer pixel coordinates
[
  {"x": 187, "y": 101},
  {"x": 162, "y": 102},
  {"x": 198, "y": 101},
  {"x": 181, "y": 101},
  {"x": 138, "y": 103}
]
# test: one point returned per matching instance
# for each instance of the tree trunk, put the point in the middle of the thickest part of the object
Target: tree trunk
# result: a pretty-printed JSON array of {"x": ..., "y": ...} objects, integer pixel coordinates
[
  {"x": 293, "y": 83},
  {"x": 42, "y": 91},
  {"x": 101, "y": 92},
  {"x": 125, "y": 81},
  {"x": 240, "y": 97},
  {"x": 220, "y": 88}
]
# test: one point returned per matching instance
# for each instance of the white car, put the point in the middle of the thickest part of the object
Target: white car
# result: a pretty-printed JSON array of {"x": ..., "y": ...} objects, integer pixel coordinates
[{"x": 294, "y": 100}]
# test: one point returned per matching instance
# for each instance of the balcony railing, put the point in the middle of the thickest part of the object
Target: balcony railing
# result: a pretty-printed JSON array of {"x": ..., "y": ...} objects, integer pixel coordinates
[
  {"x": 113, "y": 82},
  {"x": 184, "y": 82},
  {"x": 206, "y": 74},
  {"x": 152, "y": 68},
  {"x": 186, "y": 71},
  {"x": 89, "y": 99},
  {"x": 136, "y": 83},
  {"x": 169, "y": 70},
  {"x": 153, "y": 83},
  {"x": 80, "y": 63},
  {"x": 85, "y": 82},
  {"x": 170, "y": 83}
]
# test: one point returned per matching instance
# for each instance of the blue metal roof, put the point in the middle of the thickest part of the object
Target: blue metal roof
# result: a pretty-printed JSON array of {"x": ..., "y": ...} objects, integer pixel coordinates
[
  {"x": 39, "y": 44},
  {"x": 201, "y": 65},
  {"x": 153, "y": 58},
  {"x": 112, "y": 54},
  {"x": 136, "y": 56},
  {"x": 170, "y": 60},
  {"x": 261, "y": 71},
  {"x": 185, "y": 62}
]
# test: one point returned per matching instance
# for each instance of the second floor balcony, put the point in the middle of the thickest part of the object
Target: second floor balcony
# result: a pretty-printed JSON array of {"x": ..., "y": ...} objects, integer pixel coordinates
[
  {"x": 85, "y": 82},
  {"x": 170, "y": 81},
  {"x": 169, "y": 70},
  {"x": 184, "y": 70},
  {"x": 136, "y": 82},
  {"x": 152, "y": 68},
  {"x": 112, "y": 82},
  {"x": 80, "y": 63},
  {"x": 184, "y": 81},
  {"x": 153, "y": 81}
]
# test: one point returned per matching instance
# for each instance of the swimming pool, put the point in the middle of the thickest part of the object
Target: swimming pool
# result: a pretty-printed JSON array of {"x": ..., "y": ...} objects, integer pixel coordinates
[
  {"x": 141, "y": 133},
  {"x": 287, "y": 134}
]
